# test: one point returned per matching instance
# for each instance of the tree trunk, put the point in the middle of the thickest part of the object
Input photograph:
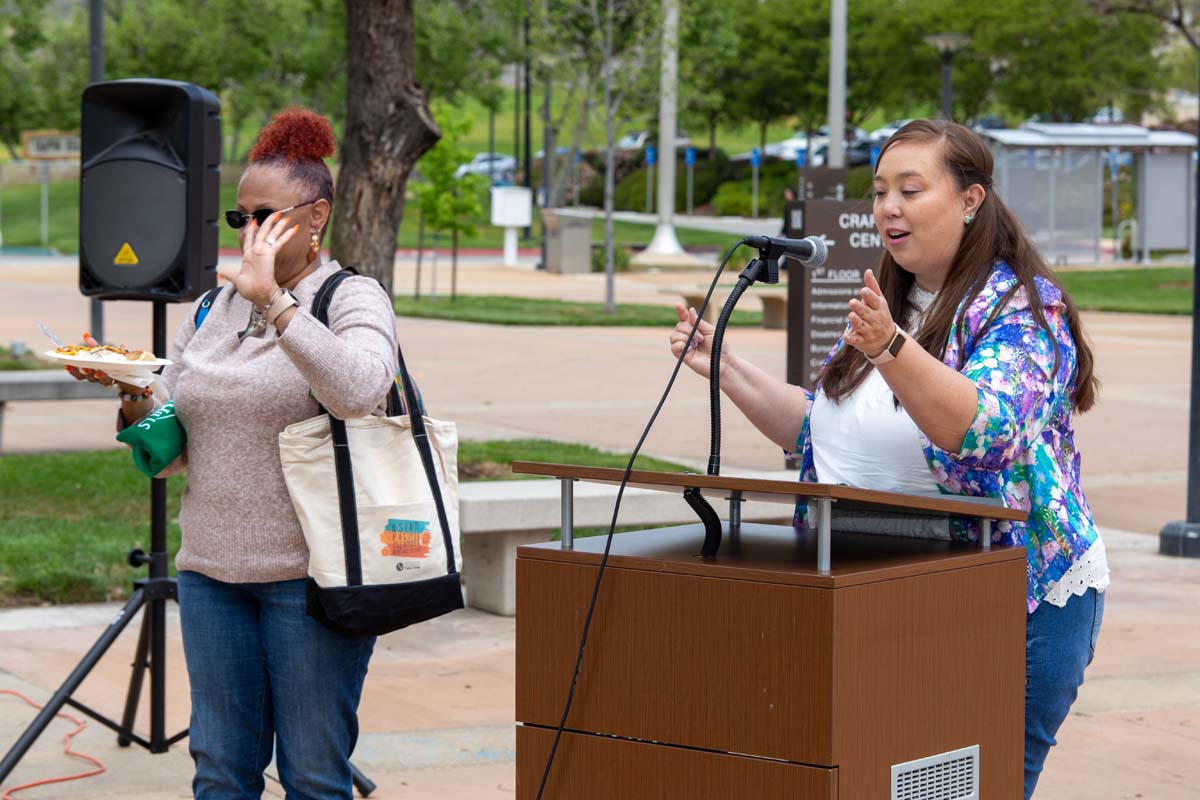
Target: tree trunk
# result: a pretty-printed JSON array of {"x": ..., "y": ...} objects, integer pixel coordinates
[
  {"x": 712, "y": 139},
  {"x": 388, "y": 127}
]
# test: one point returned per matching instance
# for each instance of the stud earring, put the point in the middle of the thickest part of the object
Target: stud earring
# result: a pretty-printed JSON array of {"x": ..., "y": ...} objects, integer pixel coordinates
[
  {"x": 314, "y": 249},
  {"x": 967, "y": 219}
]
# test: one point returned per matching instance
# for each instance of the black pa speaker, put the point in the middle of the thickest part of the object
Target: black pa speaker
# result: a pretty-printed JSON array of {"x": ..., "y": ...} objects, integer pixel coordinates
[{"x": 149, "y": 190}]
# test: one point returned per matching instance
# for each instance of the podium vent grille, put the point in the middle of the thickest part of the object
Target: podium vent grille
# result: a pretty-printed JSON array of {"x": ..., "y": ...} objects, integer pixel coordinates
[{"x": 947, "y": 776}]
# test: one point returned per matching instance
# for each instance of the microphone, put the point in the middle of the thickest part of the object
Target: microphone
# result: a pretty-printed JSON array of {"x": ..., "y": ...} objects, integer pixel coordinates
[{"x": 809, "y": 251}]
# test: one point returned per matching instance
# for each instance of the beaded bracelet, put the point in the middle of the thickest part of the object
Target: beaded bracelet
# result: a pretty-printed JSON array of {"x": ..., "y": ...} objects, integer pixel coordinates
[{"x": 134, "y": 398}]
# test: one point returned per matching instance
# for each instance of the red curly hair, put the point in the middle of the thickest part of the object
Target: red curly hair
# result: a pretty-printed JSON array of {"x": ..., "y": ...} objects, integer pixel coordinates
[
  {"x": 295, "y": 134},
  {"x": 298, "y": 140}
]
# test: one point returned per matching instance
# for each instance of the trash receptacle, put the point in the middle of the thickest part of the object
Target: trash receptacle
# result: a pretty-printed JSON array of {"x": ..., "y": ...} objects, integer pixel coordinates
[{"x": 568, "y": 242}]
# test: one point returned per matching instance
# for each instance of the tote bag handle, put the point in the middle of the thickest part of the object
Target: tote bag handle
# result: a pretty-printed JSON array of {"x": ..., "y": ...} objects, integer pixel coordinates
[{"x": 341, "y": 449}]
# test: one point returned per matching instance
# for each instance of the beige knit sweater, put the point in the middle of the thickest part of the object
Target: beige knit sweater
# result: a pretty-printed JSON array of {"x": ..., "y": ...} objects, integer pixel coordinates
[{"x": 234, "y": 398}]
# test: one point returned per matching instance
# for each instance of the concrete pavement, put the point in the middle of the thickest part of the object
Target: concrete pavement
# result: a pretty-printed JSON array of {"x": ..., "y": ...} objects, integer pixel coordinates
[{"x": 439, "y": 701}]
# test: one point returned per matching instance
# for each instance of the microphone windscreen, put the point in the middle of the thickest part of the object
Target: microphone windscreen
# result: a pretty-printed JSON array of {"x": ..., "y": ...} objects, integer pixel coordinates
[{"x": 820, "y": 252}]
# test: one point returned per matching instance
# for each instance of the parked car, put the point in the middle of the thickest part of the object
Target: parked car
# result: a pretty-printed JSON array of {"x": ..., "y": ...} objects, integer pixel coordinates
[
  {"x": 790, "y": 148},
  {"x": 858, "y": 152},
  {"x": 1107, "y": 116},
  {"x": 991, "y": 122},
  {"x": 502, "y": 168},
  {"x": 559, "y": 152},
  {"x": 639, "y": 139},
  {"x": 881, "y": 135}
]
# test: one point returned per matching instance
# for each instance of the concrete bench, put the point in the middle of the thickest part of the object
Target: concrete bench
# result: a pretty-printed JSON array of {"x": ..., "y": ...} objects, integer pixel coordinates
[
  {"x": 496, "y": 517},
  {"x": 773, "y": 299},
  {"x": 19, "y": 386}
]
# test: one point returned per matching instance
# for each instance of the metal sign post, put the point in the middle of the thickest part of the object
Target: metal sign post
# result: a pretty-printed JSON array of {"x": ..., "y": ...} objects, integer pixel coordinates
[
  {"x": 755, "y": 159},
  {"x": 689, "y": 159},
  {"x": 650, "y": 159}
]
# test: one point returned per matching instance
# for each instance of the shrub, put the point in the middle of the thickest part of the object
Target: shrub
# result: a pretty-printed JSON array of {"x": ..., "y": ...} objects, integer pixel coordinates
[
  {"x": 707, "y": 175},
  {"x": 620, "y": 258}
]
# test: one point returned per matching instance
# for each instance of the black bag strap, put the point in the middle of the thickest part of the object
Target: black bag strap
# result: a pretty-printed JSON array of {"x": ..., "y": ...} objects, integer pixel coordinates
[
  {"x": 202, "y": 310},
  {"x": 421, "y": 436},
  {"x": 343, "y": 466},
  {"x": 341, "y": 449}
]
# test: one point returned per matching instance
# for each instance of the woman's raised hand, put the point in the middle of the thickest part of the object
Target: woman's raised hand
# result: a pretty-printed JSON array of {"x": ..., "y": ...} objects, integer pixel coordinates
[
  {"x": 698, "y": 357},
  {"x": 871, "y": 323},
  {"x": 255, "y": 279}
]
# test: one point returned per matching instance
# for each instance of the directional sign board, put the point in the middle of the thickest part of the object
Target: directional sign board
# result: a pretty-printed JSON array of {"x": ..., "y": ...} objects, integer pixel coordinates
[
  {"x": 817, "y": 298},
  {"x": 49, "y": 145},
  {"x": 821, "y": 183}
]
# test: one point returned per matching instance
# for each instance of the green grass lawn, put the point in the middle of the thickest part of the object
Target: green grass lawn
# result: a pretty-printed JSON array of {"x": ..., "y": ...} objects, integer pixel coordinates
[
  {"x": 68, "y": 520},
  {"x": 20, "y": 224},
  {"x": 28, "y": 360},
  {"x": 501, "y": 310},
  {"x": 1148, "y": 290}
]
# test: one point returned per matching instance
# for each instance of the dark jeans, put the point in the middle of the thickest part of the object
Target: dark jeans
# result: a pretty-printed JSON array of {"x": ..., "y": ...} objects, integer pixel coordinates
[
  {"x": 1059, "y": 645},
  {"x": 265, "y": 676}
]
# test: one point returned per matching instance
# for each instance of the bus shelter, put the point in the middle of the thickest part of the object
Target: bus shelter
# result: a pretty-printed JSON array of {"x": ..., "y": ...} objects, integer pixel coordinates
[{"x": 1052, "y": 176}]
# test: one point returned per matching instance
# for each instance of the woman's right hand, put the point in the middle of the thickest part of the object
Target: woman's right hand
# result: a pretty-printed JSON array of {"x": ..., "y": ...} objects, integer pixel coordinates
[
  {"x": 96, "y": 376},
  {"x": 699, "y": 357}
]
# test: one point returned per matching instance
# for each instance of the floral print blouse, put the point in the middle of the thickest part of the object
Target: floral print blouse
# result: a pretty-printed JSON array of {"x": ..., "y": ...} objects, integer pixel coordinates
[{"x": 1020, "y": 445}]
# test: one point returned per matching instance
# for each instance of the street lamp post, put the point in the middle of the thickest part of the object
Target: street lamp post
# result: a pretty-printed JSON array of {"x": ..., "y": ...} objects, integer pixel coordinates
[
  {"x": 1182, "y": 537},
  {"x": 947, "y": 44}
]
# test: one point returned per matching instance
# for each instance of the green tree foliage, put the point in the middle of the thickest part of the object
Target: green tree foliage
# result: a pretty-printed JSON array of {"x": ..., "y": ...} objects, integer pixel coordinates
[
  {"x": 461, "y": 45},
  {"x": 297, "y": 57},
  {"x": 707, "y": 46},
  {"x": 780, "y": 65},
  {"x": 1063, "y": 61},
  {"x": 43, "y": 68},
  {"x": 449, "y": 203}
]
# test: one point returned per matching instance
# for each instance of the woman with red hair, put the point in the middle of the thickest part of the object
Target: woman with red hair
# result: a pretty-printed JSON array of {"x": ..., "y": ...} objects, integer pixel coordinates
[{"x": 264, "y": 676}]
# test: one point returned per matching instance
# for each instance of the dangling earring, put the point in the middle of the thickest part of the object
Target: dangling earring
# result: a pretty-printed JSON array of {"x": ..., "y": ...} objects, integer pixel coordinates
[
  {"x": 314, "y": 249},
  {"x": 967, "y": 219}
]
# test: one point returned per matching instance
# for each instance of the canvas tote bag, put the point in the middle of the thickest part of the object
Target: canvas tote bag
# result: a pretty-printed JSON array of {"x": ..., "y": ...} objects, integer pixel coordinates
[{"x": 377, "y": 499}]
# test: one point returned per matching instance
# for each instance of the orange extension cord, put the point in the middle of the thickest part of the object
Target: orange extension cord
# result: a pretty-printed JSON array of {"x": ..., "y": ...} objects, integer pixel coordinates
[{"x": 10, "y": 794}]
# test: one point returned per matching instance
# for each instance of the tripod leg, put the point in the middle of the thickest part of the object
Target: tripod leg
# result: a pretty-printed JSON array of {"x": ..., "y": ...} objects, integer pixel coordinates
[
  {"x": 72, "y": 682},
  {"x": 135, "y": 682},
  {"x": 361, "y": 782}
]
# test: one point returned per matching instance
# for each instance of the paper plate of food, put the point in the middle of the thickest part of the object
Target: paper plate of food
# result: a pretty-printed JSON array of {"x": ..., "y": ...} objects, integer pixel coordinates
[{"x": 116, "y": 362}]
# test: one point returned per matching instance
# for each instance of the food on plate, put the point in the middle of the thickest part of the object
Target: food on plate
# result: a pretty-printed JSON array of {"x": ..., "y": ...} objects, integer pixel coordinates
[{"x": 105, "y": 352}]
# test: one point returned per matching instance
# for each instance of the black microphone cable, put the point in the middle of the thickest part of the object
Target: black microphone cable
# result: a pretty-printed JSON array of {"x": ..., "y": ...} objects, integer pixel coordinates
[{"x": 587, "y": 622}]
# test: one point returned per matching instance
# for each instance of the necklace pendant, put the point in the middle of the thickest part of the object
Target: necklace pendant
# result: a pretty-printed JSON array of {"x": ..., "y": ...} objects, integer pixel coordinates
[{"x": 256, "y": 327}]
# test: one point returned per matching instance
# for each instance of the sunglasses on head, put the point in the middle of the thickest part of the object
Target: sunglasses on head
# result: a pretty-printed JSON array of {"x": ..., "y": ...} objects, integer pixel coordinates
[{"x": 236, "y": 219}]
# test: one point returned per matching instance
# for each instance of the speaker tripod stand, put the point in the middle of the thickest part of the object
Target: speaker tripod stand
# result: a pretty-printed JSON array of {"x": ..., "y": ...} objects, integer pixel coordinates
[{"x": 150, "y": 596}]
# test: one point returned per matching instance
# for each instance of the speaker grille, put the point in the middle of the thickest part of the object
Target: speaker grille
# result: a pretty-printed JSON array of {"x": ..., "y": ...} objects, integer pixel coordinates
[{"x": 948, "y": 776}]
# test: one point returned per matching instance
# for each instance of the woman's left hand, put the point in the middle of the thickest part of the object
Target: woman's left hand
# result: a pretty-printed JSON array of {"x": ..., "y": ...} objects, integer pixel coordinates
[
  {"x": 255, "y": 279},
  {"x": 871, "y": 323}
]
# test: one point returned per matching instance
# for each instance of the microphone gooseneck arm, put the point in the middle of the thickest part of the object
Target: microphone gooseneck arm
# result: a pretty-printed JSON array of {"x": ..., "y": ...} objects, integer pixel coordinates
[{"x": 762, "y": 268}]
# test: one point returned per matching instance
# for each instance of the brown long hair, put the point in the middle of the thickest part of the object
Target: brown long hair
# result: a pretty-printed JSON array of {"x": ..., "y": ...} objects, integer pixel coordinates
[{"x": 994, "y": 233}]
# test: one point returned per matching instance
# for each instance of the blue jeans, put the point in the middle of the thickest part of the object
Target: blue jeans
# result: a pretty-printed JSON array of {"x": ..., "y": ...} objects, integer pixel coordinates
[
  {"x": 265, "y": 676},
  {"x": 1059, "y": 645}
]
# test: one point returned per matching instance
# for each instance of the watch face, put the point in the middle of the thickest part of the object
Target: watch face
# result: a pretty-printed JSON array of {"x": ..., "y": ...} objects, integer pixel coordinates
[{"x": 897, "y": 343}]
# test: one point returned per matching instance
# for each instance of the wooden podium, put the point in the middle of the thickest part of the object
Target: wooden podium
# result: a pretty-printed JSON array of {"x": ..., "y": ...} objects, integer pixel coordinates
[{"x": 793, "y": 664}]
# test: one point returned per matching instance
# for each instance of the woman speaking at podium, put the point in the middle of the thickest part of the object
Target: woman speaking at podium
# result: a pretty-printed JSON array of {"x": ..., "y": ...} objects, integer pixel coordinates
[{"x": 958, "y": 371}]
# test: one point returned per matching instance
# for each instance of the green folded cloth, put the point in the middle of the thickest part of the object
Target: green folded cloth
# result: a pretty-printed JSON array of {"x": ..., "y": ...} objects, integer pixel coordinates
[{"x": 156, "y": 441}]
